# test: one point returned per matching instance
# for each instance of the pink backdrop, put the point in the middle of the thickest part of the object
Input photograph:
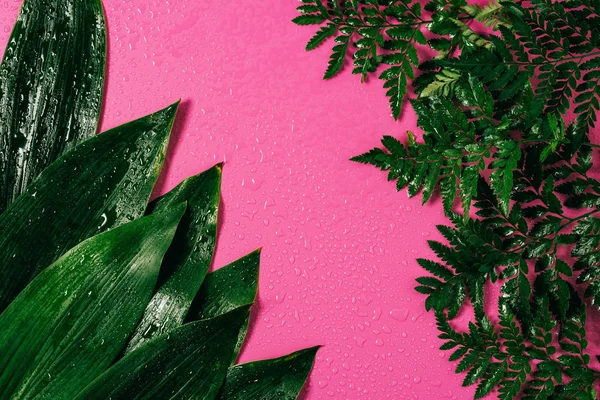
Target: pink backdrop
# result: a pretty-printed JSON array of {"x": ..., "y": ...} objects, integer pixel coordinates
[{"x": 339, "y": 244}]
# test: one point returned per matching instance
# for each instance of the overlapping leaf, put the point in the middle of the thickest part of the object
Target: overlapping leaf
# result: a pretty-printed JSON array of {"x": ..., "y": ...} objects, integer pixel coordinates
[
  {"x": 72, "y": 321},
  {"x": 184, "y": 363},
  {"x": 226, "y": 289},
  {"x": 189, "y": 257},
  {"x": 102, "y": 183},
  {"x": 279, "y": 378}
]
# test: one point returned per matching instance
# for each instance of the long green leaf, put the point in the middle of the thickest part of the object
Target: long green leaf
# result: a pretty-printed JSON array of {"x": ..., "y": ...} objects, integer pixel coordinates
[
  {"x": 71, "y": 322},
  {"x": 278, "y": 378},
  {"x": 226, "y": 289},
  {"x": 102, "y": 183},
  {"x": 189, "y": 362},
  {"x": 51, "y": 81},
  {"x": 188, "y": 258}
]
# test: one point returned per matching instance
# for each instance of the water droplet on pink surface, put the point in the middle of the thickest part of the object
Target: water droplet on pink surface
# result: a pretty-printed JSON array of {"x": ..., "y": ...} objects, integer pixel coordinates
[
  {"x": 399, "y": 314},
  {"x": 251, "y": 183},
  {"x": 280, "y": 297},
  {"x": 416, "y": 316},
  {"x": 377, "y": 313}
]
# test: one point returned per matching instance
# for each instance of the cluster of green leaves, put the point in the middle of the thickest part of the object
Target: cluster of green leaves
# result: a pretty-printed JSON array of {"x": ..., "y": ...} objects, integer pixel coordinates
[
  {"x": 535, "y": 366},
  {"x": 555, "y": 44},
  {"x": 102, "y": 294},
  {"x": 389, "y": 33},
  {"x": 506, "y": 107},
  {"x": 382, "y": 32}
]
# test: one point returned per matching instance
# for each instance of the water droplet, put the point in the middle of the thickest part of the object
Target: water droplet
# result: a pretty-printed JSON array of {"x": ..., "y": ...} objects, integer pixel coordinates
[
  {"x": 399, "y": 314},
  {"x": 377, "y": 313}
]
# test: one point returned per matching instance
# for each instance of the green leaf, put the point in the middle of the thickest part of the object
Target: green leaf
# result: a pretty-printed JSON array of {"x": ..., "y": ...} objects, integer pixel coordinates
[
  {"x": 279, "y": 378},
  {"x": 189, "y": 257},
  {"x": 501, "y": 178},
  {"x": 487, "y": 384},
  {"x": 376, "y": 157},
  {"x": 476, "y": 372},
  {"x": 396, "y": 86},
  {"x": 336, "y": 61},
  {"x": 73, "y": 320},
  {"x": 227, "y": 288},
  {"x": 468, "y": 188},
  {"x": 308, "y": 19},
  {"x": 51, "y": 81},
  {"x": 436, "y": 269},
  {"x": 448, "y": 192},
  {"x": 549, "y": 198},
  {"x": 458, "y": 354},
  {"x": 320, "y": 36},
  {"x": 431, "y": 181},
  {"x": 190, "y": 362},
  {"x": 102, "y": 183},
  {"x": 443, "y": 85}
]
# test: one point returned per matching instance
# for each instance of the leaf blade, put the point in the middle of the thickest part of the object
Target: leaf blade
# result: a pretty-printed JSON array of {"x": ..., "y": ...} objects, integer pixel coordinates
[
  {"x": 78, "y": 313},
  {"x": 51, "y": 87},
  {"x": 122, "y": 165},
  {"x": 278, "y": 378},
  {"x": 171, "y": 358},
  {"x": 225, "y": 289},
  {"x": 189, "y": 257}
]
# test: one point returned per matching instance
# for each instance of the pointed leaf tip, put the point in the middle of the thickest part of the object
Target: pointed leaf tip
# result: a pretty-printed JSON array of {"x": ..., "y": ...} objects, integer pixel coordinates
[
  {"x": 166, "y": 116},
  {"x": 227, "y": 288},
  {"x": 123, "y": 164},
  {"x": 278, "y": 378}
]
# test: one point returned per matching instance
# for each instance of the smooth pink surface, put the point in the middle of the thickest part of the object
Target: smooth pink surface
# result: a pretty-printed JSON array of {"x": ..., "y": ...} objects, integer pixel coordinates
[{"x": 339, "y": 244}]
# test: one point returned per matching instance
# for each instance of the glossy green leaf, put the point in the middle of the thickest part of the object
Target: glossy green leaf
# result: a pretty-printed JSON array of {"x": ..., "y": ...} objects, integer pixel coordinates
[
  {"x": 189, "y": 362},
  {"x": 279, "y": 378},
  {"x": 51, "y": 81},
  {"x": 102, "y": 183},
  {"x": 71, "y": 322},
  {"x": 188, "y": 258},
  {"x": 226, "y": 289}
]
